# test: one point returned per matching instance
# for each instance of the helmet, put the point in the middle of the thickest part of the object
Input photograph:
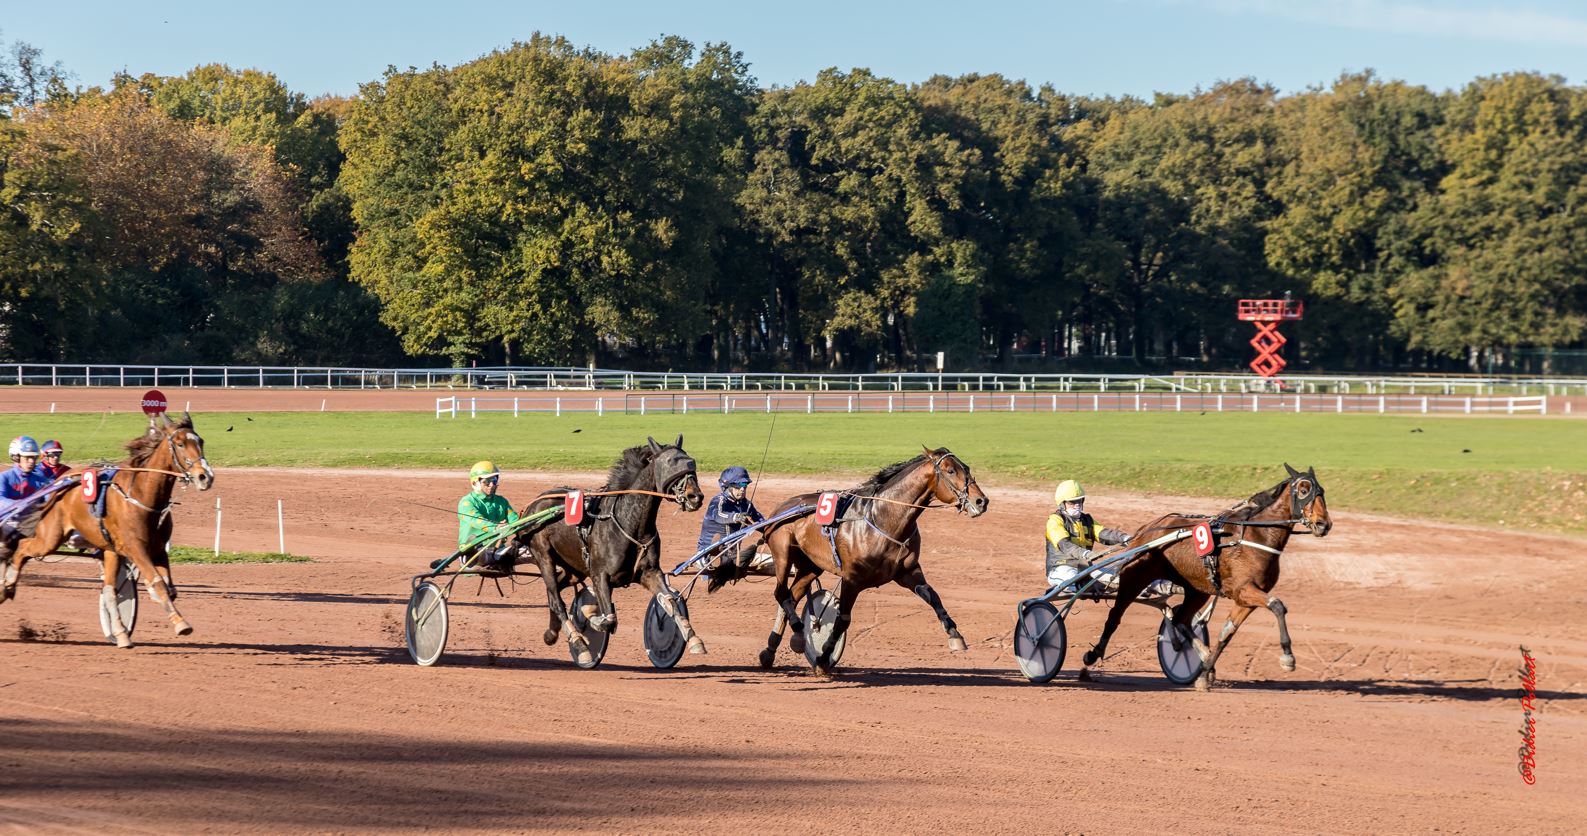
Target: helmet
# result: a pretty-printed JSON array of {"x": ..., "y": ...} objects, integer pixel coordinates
[
  {"x": 1068, "y": 491},
  {"x": 51, "y": 446},
  {"x": 734, "y": 475},
  {"x": 24, "y": 445},
  {"x": 482, "y": 469}
]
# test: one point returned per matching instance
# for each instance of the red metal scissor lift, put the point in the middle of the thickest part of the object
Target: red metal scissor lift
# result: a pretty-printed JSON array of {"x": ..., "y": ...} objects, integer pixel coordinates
[{"x": 1267, "y": 314}]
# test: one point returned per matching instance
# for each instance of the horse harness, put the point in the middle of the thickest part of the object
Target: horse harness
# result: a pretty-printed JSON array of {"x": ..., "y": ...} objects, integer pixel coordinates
[
  {"x": 846, "y": 500},
  {"x": 1297, "y": 508}
]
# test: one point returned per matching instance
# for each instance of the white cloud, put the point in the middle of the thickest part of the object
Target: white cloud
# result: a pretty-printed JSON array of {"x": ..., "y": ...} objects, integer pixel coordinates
[{"x": 1491, "y": 23}]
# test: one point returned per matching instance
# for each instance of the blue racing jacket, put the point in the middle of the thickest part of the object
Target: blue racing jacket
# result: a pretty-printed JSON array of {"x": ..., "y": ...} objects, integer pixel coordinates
[{"x": 724, "y": 516}]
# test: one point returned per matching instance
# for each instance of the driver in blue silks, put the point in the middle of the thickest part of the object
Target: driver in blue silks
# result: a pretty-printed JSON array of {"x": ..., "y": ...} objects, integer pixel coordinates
[{"x": 729, "y": 510}]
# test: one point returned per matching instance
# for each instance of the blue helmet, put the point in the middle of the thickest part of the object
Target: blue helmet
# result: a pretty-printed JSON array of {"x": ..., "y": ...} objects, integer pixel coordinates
[
  {"x": 24, "y": 445},
  {"x": 734, "y": 475}
]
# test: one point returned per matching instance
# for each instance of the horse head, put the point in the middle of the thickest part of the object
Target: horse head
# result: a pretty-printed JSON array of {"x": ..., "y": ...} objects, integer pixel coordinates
[
  {"x": 675, "y": 474},
  {"x": 952, "y": 483},
  {"x": 184, "y": 448},
  {"x": 1306, "y": 502}
]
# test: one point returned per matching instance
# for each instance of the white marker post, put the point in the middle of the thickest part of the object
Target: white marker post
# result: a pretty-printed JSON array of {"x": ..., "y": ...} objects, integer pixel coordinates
[
  {"x": 217, "y": 526},
  {"x": 281, "y": 527}
]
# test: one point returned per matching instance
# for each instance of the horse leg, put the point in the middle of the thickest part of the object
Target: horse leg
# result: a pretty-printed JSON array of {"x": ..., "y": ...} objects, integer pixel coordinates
[
  {"x": 915, "y": 582},
  {"x": 1237, "y": 616},
  {"x": 786, "y": 615},
  {"x": 799, "y": 589},
  {"x": 1286, "y": 660},
  {"x": 107, "y": 599},
  {"x": 671, "y": 602},
  {"x": 1135, "y": 578},
  {"x": 605, "y": 618},
  {"x": 159, "y": 592},
  {"x": 840, "y": 627}
]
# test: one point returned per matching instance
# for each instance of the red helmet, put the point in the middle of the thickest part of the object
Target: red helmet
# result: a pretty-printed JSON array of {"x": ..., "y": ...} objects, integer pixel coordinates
[{"x": 51, "y": 446}]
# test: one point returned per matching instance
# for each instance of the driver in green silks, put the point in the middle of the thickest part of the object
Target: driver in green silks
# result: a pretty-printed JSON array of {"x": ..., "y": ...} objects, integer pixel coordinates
[{"x": 481, "y": 511}]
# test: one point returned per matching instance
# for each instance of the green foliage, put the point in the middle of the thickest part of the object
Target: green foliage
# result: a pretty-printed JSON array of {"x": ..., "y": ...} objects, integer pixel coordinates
[{"x": 191, "y": 554}]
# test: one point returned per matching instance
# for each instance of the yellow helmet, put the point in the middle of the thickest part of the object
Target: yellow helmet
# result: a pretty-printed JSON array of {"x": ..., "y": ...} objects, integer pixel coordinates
[
  {"x": 1068, "y": 491},
  {"x": 482, "y": 469}
]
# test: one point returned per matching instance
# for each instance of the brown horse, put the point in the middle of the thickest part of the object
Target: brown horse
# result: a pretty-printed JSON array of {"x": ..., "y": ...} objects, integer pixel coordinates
[
  {"x": 136, "y": 522},
  {"x": 876, "y": 539},
  {"x": 1243, "y": 567},
  {"x": 619, "y": 543}
]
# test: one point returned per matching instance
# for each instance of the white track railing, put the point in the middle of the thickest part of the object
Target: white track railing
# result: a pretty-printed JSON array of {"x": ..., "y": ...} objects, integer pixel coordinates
[
  {"x": 564, "y": 378},
  {"x": 932, "y": 402}
]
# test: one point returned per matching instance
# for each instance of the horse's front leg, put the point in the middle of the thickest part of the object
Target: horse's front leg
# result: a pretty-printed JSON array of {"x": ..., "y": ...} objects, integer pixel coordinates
[
  {"x": 915, "y": 581},
  {"x": 655, "y": 580},
  {"x": 155, "y": 583},
  {"x": 107, "y": 598},
  {"x": 605, "y": 616}
]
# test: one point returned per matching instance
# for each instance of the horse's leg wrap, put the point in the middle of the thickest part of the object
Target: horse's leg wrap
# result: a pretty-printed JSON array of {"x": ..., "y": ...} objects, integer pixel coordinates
[{"x": 118, "y": 631}]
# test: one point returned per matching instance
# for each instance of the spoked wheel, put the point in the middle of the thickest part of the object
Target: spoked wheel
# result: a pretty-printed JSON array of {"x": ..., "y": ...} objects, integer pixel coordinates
[
  {"x": 426, "y": 624},
  {"x": 1177, "y": 653},
  {"x": 664, "y": 642},
  {"x": 126, "y": 604},
  {"x": 1040, "y": 642},
  {"x": 820, "y": 618},
  {"x": 595, "y": 638}
]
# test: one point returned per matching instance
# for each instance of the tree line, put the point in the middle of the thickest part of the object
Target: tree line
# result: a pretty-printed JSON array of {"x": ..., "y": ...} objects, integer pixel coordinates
[{"x": 548, "y": 203}]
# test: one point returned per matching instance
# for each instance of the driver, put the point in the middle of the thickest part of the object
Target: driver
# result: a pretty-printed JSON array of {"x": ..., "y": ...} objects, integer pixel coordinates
[
  {"x": 24, "y": 478},
  {"x": 729, "y": 511},
  {"x": 1073, "y": 536},
  {"x": 51, "y": 465},
  {"x": 481, "y": 511}
]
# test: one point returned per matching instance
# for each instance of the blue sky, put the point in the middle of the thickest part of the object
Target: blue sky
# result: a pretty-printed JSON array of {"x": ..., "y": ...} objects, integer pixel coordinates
[{"x": 1103, "y": 47}]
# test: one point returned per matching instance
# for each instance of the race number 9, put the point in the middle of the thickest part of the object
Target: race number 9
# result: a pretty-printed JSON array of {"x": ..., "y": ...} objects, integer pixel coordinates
[
  {"x": 1202, "y": 534},
  {"x": 827, "y": 508}
]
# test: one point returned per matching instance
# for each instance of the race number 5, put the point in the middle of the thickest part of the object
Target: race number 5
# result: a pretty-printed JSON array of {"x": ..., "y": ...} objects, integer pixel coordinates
[
  {"x": 827, "y": 508},
  {"x": 1202, "y": 534},
  {"x": 573, "y": 508}
]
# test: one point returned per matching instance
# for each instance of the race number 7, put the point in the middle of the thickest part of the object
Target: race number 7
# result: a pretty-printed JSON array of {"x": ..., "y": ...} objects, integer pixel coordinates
[
  {"x": 1202, "y": 534},
  {"x": 573, "y": 508},
  {"x": 827, "y": 508}
]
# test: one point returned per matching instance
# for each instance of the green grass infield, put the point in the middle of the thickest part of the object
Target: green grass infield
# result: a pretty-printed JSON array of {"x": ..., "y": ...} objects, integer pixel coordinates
[
  {"x": 1523, "y": 473},
  {"x": 190, "y": 554}
]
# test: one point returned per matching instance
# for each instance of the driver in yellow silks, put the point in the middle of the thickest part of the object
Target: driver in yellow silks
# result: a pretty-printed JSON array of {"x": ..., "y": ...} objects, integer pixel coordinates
[{"x": 1073, "y": 537}]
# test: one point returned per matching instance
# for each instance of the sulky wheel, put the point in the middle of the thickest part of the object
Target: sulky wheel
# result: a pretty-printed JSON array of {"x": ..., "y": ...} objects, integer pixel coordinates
[
  {"x": 426, "y": 624},
  {"x": 664, "y": 642},
  {"x": 126, "y": 603},
  {"x": 1040, "y": 642},
  {"x": 820, "y": 619},
  {"x": 596, "y": 639},
  {"x": 1177, "y": 653}
]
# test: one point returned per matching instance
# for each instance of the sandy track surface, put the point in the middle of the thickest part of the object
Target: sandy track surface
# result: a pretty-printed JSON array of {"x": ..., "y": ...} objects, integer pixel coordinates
[{"x": 295, "y": 707}]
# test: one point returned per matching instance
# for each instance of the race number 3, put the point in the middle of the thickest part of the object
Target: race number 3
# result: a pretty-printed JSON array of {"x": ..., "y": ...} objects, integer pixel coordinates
[
  {"x": 1202, "y": 534},
  {"x": 827, "y": 508},
  {"x": 573, "y": 508},
  {"x": 90, "y": 486}
]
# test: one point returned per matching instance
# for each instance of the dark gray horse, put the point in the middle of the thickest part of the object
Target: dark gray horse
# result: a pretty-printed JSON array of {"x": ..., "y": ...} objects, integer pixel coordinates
[{"x": 617, "y": 543}]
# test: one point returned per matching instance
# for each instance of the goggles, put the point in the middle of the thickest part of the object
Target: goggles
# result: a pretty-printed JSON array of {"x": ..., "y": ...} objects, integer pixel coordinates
[
  {"x": 53, "y": 454},
  {"x": 488, "y": 480}
]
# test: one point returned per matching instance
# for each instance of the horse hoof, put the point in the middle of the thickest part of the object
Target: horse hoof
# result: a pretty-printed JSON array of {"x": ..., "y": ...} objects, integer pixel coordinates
[
  {"x": 1203, "y": 683},
  {"x": 1090, "y": 658},
  {"x": 767, "y": 657},
  {"x": 585, "y": 660},
  {"x": 183, "y": 628},
  {"x": 696, "y": 646},
  {"x": 796, "y": 642},
  {"x": 123, "y": 640},
  {"x": 604, "y": 623},
  {"x": 957, "y": 645},
  {"x": 551, "y": 636},
  {"x": 1287, "y": 662}
]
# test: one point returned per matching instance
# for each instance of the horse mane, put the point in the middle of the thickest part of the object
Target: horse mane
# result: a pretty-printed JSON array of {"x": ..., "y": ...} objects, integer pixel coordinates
[
  {"x": 874, "y": 485},
  {"x": 146, "y": 445},
  {"x": 1262, "y": 499},
  {"x": 626, "y": 469}
]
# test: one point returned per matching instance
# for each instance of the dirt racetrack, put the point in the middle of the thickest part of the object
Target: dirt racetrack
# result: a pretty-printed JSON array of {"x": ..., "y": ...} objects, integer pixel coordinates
[{"x": 295, "y": 707}]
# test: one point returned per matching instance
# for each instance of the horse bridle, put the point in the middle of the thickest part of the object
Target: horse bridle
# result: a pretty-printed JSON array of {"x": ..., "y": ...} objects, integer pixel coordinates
[
  {"x": 184, "y": 475},
  {"x": 961, "y": 493},
  {"x": 677, "y": 484}
]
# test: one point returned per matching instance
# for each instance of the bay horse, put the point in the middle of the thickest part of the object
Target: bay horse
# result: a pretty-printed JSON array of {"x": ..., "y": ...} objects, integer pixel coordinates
[
  {"x": 136, "y": 523},
  {"x": 875, "y": 541},
  {"x": 618, "y": 544},
  {"x": 1243, "y": 567}
]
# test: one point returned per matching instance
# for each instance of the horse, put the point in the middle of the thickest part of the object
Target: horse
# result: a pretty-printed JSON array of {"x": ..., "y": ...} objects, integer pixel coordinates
[
  {"x": 1243, "y": 566},
  {"x": 617, "y": 544},
  {"x": 875, "y": 541},
  {"x": 136, "y": 522}
]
